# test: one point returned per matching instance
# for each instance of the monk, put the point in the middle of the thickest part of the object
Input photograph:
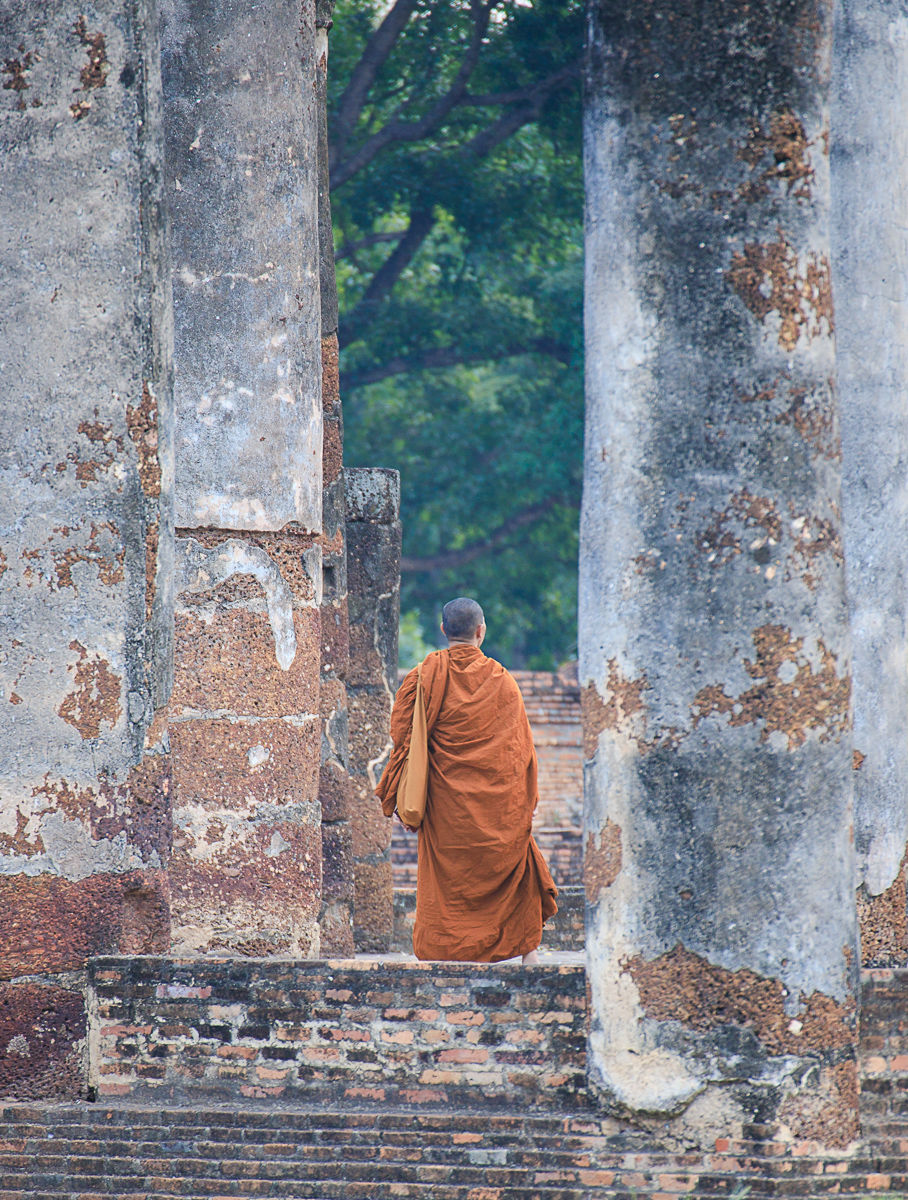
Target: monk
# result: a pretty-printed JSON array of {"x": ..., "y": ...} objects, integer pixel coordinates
[{"x": 483, "y": 889}]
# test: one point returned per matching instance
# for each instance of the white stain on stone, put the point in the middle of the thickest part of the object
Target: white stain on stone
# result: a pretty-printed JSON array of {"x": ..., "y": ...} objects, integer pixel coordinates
[
  {"x": 199, "y": 569},
  {"x": 279, "y": 845},
  {"x": 18, "y": 1045},
  {"x": 257, "y": 755}
]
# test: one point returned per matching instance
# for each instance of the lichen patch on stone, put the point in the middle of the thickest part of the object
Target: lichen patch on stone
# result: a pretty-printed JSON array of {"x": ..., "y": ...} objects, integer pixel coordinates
[
  {"x": 814, "y": 418},
  {"x": 94, "y": 73},
  {"x": 721, "y": 544},
  {"x": 787, "y": 147},
  {"x": 16, "y": 71},
  {"x": 815, "y": 536},
  {"x": 789, "y": 696},
  {"x": 624, "y": 710},
  {"x": 773, "y": 278}
]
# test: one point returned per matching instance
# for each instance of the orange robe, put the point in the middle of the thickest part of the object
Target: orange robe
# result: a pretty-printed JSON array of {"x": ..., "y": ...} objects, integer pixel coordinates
[{"x": 483, "y": 888}]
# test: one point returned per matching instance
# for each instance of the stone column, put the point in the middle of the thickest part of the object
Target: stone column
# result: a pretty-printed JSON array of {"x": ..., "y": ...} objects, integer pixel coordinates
[
  {"x": 242, "y": 179},
  {"x": 336, "y": 918},
  {"x": 373, "y": 564},
  {"x": 714, "y": 629},
  {"x": 86, "y": 532},
  {"x": 870, "y": 277}
]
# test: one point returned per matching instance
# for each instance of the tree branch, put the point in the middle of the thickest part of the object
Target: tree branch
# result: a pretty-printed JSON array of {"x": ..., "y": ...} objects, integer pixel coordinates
[
  {"x": 465, "y": 554},
  {"x": 397, "y": 130},
  {"x": 350, "y": 249},
  {"x": 384, "y": 279},
  {"x": 451, "y": 356},
  {"x": 509, "y": 122},
  {"x": 372, "y": 59}
]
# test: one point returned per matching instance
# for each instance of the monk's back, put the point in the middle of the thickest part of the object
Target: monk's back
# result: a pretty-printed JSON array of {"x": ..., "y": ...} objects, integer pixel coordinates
[
  {"x": 480, "y": 752},
  {"x": 483, "y": 889}
]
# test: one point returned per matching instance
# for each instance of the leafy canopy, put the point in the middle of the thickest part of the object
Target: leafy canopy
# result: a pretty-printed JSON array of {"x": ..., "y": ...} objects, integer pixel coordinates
[{"x": 454, "y": 128}]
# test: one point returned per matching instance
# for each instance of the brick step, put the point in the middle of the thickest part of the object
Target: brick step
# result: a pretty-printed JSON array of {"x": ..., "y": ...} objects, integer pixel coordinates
[
  {"x": 184, "y": 1176},
  {"x": 161, "y": 1159},
  {"x": 324, "y": 1189},
  {"x": 83, "y": 1157}
]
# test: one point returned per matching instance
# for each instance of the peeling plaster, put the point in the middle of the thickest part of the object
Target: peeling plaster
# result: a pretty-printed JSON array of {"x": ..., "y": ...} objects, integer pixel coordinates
[
  {"x": 71, "y": 852},
  {"x": 199, "y": 569},
  {"x": 796, "y": 692}
]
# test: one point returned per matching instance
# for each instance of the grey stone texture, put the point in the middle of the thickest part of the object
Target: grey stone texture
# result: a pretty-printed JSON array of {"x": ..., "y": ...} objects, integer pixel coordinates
[
  {"x": 714, "y": 639},
  {"x": 242, "y": 150},
  {"x": 85, "y": 418},
  {"x": 870, "y": 281},
  {"x": 373, "y": 574}
]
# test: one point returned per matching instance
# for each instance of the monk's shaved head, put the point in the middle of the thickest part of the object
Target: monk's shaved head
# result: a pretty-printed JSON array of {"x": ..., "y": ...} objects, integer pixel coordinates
[{"x": 461, "y": 618}]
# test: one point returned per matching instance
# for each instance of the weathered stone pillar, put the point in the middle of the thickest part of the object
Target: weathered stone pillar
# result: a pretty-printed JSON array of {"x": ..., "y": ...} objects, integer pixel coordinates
[
  {"x": 870, "y": 278},
  {"x": 240, "y": 123},
  {"x": 714, "y": 630},
  {"x": 336, "y": 918},
  {"x": 373, "y": 566},
  {"x": 86, "y": 533}
]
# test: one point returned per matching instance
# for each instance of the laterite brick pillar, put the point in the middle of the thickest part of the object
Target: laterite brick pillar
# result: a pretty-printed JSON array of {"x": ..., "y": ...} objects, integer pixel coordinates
[
  {"x": 86, "y": 532},
  {"x": 336, "y": 917},
  {"x": 719, "y": 863},
  {"x": 870, "y": 276},
  {"x": 242, "y": 180},
  {"x": 373, "y": 558}
]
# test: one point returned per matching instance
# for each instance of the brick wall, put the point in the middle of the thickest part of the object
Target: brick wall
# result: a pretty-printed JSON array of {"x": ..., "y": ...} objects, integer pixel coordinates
[
  {"x": 339, "y": 1032},
  {"x": 884, "y": 1049}
]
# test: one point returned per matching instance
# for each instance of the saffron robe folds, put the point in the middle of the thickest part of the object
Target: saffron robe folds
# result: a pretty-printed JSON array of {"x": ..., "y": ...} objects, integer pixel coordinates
[{"x": 483, "y": 888}]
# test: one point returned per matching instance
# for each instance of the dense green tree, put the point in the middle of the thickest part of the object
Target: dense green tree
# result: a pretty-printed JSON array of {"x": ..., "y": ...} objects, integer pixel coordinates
[{"x": 454, "y": 128}]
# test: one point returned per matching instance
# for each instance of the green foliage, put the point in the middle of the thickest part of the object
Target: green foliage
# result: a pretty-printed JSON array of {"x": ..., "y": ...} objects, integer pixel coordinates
[
  {"x": 413, "y": 645},
  {"x": 455, "y": 130}
]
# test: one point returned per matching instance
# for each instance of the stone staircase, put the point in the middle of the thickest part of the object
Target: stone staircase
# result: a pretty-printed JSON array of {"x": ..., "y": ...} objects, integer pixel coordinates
[{"x": 178, "y": 1055}]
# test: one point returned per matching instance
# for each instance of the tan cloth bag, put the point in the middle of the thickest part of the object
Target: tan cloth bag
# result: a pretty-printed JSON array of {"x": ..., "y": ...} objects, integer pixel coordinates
[{"x": 411, "y": 791}]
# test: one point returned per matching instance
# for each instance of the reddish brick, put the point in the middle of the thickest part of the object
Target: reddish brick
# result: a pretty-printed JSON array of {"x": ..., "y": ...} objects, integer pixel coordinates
[
  {"x": 462, "y": 1055},
  {"x": 364, "y": 1093},
  {"x": 400, "y": 1037},
  {"x": 466, "y": 1018}
]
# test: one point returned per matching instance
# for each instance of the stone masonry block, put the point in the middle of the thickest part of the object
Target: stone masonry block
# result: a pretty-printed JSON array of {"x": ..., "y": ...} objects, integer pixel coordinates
[
  {"x": 370, "y": 721},
  {"x": 42, "y": 1039},
  {"x": 373, "y": 494},
  {"x": 373, "y": 906},
  {"x": 371, "y": 828},
  {"x": 48, "y": 923},
  {"x": 241, "y": 766},
  {"x": 334, "y": 792},
  {"x": 337, "y": 852},
  {"x": 228, "y": 664}
]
